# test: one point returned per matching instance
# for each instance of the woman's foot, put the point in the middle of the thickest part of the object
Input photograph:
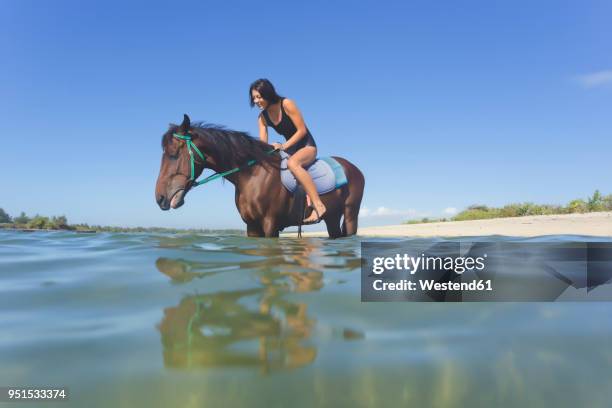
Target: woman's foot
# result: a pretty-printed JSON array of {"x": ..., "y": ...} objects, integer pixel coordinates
[{"x": 318, "y": 211}]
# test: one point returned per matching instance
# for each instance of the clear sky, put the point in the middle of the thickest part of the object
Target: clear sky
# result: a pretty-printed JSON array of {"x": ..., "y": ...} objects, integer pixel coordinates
[{"x": 441, "y": 104}]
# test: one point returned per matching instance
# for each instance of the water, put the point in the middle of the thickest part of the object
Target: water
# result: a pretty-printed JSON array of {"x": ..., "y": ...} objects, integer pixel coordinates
[{"x": 129, "y": 320}]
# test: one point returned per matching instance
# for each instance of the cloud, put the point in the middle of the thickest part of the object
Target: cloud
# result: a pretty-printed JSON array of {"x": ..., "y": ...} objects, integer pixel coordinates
[
  {"x": 596, "y": 79},
  {"x": 384, "y": 211},
  {"x": 450, "y": 211}
]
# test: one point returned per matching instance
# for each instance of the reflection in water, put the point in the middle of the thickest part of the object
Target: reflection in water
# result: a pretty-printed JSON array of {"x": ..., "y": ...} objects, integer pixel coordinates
[
  {"x": 217, "y": 330},
  {"x": 233, "y": 312},
  {"x": 255, "y": 327},
  {"x": 180, "y": 270}
]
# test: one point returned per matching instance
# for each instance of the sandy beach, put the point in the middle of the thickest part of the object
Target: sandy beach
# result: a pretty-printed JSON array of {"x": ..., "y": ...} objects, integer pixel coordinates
[{"x": 593, "y": 224}]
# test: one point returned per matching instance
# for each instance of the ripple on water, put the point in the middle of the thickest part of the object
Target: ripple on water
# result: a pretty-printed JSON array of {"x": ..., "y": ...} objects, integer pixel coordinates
[{"x": 100, "y": 310}]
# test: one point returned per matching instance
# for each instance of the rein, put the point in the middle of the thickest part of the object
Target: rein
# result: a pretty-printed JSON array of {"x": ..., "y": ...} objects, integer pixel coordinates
[{"x": 192, "y": 147}]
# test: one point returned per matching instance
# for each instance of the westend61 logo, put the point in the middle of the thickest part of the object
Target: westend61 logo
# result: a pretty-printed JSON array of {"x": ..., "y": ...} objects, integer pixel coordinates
[{"x": 456, "y": 271}]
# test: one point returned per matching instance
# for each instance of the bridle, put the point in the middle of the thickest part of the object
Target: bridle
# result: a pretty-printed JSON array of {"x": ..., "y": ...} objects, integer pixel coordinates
[{"x": 191, "y": 147}]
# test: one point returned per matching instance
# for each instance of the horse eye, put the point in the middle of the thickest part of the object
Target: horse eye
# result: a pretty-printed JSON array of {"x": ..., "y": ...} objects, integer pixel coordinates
[{"x": 171, "y": 155}]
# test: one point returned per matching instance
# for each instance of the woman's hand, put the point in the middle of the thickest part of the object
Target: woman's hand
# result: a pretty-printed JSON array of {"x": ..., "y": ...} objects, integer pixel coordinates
[{"x": 278, "y": 146}]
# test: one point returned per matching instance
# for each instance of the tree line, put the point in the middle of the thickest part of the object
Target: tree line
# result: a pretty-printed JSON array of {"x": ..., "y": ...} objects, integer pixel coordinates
[
  {"x": 22, "y": 221},
  {"x": 594, "y": 203}
]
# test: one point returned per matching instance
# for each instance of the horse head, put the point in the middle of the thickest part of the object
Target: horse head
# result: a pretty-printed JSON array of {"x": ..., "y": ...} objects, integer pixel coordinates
[{"x": 180, "y": 166}]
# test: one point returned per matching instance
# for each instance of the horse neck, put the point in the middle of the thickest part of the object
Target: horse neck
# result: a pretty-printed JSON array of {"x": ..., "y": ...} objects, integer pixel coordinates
[
  {"x": 248, "y": 179},
  {"x": 214, "y": 162}
]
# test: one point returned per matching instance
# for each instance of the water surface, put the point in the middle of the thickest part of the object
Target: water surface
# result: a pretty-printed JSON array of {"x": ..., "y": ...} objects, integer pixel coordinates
[{"x": 199, "y": 320}]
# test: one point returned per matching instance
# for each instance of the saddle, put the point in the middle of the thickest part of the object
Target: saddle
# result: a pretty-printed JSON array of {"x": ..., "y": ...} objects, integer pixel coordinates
[{"x": 327, "y": 175}]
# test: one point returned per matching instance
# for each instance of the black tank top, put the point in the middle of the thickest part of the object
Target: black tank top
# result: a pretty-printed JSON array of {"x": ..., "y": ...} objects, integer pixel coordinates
[{"x": 287, "y": 128}]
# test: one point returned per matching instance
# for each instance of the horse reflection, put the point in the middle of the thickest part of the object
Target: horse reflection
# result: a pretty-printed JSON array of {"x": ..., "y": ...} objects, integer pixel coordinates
[
  {"x": 180, "y": 270},
  {"x": 217, "y": 330},
  {"x": 247, "y": 328},
  {"x": 256, "y": 327}
]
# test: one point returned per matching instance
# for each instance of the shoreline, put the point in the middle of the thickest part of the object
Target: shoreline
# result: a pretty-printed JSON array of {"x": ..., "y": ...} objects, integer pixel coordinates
[
  {"x": 590, "y": 224},
  {"x": 587, "y": 224}
]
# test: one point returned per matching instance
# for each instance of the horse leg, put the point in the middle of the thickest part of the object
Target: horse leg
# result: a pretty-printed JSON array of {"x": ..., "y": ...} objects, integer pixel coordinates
[
  {"x": 254, "y": 230},
  {"x": 349, "y": 224},
  {"x": 270, "y": 228},
  {"x": 332, "y": 221}
]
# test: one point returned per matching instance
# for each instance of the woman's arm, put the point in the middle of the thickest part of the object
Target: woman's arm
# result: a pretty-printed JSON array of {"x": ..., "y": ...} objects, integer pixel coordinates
[
  {"x": 263, "y": 129},
  {"x": 297, "y": 119}
]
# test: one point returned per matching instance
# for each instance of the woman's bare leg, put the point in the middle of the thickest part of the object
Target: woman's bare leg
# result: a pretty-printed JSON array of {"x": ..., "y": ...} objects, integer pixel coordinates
[{"x": 296, "y": 163}]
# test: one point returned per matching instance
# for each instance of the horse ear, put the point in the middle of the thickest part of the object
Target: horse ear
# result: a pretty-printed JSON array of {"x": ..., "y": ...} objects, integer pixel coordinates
[{"x": 184, "y": 128}]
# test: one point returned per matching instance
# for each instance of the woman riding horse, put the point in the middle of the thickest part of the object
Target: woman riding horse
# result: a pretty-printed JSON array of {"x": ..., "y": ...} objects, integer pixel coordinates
[{"x": 283, "y": 115}]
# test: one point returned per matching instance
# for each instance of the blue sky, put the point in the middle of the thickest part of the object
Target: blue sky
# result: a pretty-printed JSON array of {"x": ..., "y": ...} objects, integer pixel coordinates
[{"x": 441, "y": 104}]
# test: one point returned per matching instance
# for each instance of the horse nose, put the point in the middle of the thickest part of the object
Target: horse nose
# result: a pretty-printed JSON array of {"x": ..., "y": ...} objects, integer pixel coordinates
[{"x": 162, "y": 202}]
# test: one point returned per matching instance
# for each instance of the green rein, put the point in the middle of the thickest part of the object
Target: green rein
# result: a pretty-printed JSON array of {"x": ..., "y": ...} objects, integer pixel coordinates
[{"x": 191, "y": 147}]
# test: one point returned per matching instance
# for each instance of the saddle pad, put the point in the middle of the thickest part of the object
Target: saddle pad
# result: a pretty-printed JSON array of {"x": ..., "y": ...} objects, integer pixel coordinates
[{"x": 327, "y": 174}]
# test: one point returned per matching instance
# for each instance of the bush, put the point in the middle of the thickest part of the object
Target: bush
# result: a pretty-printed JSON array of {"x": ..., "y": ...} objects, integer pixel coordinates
[
  {"x": 425, "y": 220},
  {"x": 477, "y": 213},
  {"x": 596, "y": 202},
  {"x": 577, "y": 206},
  {"x": 478, "y": 207},
  {"x": 39, "y": 222},
  {"x": 4, "y": 217},
  {"x": 22, "y": 219},
  {"x": 60, "y": 222},
  {"x": 607, "y": 202}
]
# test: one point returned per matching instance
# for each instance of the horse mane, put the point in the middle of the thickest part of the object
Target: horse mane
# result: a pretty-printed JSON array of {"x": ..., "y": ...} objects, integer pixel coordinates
[{"x": 235, "y": 148}]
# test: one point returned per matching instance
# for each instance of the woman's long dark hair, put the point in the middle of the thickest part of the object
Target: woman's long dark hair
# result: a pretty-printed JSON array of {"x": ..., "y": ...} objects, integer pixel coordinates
[{"x": 265, "y": 89}]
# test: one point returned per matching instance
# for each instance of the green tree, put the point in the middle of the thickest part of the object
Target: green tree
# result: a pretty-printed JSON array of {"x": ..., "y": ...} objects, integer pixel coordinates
[
  {"x": 577, "y": 206},
  {"x": 607, "y": 200},
  {"x": 22, "y": 219},
  {"x": 4, "y": 217},
  {"x": 596, "y": 202},
  {"x": 60, "y": 222},
  {"x": 39, "y": 222}
]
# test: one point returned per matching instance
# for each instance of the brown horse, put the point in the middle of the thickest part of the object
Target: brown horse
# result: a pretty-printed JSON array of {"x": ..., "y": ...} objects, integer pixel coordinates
[{"x": 264, "y": 204}]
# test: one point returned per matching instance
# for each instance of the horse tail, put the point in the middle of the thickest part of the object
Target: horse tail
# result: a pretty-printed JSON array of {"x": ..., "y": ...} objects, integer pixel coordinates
[{"x": 352, "y": 197}]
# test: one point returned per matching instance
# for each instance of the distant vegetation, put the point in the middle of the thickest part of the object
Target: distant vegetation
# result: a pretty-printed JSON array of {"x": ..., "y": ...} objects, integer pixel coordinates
[
  {"x": 39, "y": 222},
  {"x": 597, "y": 202}
]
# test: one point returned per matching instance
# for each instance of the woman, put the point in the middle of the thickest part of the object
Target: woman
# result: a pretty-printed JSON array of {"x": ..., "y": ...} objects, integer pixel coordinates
[{"x": 284, "y": 116}]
